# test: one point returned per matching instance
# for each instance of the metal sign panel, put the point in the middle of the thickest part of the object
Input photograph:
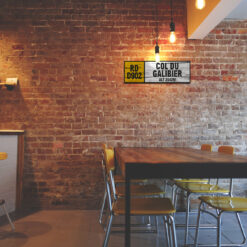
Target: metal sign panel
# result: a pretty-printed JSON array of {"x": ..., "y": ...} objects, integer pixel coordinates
[{"x": 164, "y": 72}]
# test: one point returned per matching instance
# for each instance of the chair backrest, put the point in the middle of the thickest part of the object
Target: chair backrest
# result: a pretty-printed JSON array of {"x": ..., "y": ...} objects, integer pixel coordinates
[
  {"x": 104, "y": 146},
  {"x": 226, "y": 149},
  {"x": 3, "y": 156},
  {"x": 109, "y": 160},
  {"x": 206, "y": 147}
]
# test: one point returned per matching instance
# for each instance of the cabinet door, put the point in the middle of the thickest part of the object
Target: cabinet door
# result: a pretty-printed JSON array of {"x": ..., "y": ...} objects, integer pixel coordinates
[{"x": 8, "y": 171}]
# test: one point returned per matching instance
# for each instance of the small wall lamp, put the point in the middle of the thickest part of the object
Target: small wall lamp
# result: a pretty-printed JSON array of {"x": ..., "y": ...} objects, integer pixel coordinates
[{"x": 10, "y": 83}]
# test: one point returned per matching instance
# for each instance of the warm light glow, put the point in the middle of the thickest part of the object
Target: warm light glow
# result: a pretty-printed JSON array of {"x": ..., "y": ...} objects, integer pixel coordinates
[
  {"x": 157, "y": 57},
  {"x": 200, "y": 4},
  {"x": 157, "y": 53},
  {"x": 172, "y": 37}
]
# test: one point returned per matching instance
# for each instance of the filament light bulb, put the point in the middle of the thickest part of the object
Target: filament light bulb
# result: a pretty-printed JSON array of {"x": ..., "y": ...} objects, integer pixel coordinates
[
  {"x": 157, "y": 57},
  {"x": 172, "y": 37},
  {"x": 200, "y": 4}
]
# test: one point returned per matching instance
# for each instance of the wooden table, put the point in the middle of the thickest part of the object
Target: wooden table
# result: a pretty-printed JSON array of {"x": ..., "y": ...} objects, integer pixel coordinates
[{"x": 174, "y": 163}]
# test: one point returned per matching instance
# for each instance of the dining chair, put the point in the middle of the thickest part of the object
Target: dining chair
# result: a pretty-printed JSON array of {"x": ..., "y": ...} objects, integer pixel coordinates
[
  {"x": 223, "y": 204},
  {"x": 139, "y": 206},
  {"x": 137, "y": 190},
  {"x": 204, "y": 147},
  {"x": 117, "y": 179},
  {"x": 200, "y": 189},
  {"x": 4, "y": 156}
]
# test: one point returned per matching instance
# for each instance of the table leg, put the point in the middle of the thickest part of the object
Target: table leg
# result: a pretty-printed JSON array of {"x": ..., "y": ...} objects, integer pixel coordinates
[{"x": 127, "y": 211}]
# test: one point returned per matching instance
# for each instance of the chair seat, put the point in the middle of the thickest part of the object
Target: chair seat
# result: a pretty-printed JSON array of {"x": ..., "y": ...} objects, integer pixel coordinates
[
  {"x": 201, "y": 188},
  {"x": 226, "y": 203},
  {"x": 3, "y": 156},
  {"x": 145, "y": 206},
  {"x": 140, "y": 190},
  {"x": 120, "y": 179},
  {"x": 193, "y": 180}
]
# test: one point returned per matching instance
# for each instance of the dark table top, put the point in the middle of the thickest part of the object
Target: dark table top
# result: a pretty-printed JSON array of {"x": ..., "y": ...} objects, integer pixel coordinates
[{"x": 179, "y": 162}]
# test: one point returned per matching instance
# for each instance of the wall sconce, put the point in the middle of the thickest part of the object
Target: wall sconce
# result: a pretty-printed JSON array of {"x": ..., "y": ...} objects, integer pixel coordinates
[
  {"x": 10, "y": 83},
  {"x": 172, "y": 37},
  {"x": 200, "y": 4}
]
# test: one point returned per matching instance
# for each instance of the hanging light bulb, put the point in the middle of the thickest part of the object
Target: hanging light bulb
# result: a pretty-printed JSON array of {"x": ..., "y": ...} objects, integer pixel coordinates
[
  {"x": 200, "y": 4},
  {"x": 157, "y": 53},
  {"x": 172, "y": 37}
]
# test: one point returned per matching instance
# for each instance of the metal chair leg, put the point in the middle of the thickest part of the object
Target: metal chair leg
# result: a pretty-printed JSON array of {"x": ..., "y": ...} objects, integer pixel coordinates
[
  {"x": 219, "y": 230},
  {"x": 169, "y": 230},
  {"x": 174, "y": 195},
  {"x": 166, "y": 230},
  {"x": 102, "y": 207},
  {"x": 187, "y": 218},
  {"x": 165, "y": 185},
  {"x": 149, "y": 221},
  {"x": 108, "y": 230},
  {"x": 10, "y": 221},
  {"x": 174, "y": 235},
  {"x": 156, "y": 223},
  {"x": 241, "y": 228},
  {"x": 198, "y": 224}
]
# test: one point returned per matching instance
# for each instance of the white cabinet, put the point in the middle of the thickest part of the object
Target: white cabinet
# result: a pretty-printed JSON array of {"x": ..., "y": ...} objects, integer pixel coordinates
[{"x": 11, "y": 169}]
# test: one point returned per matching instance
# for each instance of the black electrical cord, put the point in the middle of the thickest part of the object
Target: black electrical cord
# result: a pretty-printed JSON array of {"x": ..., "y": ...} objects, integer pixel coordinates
[{"x": 156, "y": 22}]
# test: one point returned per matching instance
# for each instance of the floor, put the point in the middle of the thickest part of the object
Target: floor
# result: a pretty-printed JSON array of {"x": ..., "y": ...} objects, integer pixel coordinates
[{"x": 75, "y": 228}]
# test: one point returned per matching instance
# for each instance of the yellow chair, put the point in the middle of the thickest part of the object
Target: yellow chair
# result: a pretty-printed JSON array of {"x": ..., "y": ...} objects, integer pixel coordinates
[
  {"x": 118, "y": 178},
  {"x": 204, "y": 147},
  {"x": 226, "y": 149},
  {"x": 200, "y": 189},
  {"x": 223, "y": 204},
  {"x": 137, "y": 190},
  {"x": 4, "y": 156},
  {"x": 139, "y": 206}
]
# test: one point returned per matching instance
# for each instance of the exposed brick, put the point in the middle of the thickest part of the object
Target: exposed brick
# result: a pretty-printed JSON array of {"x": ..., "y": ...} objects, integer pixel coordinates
[{"x": 69, "y": 57}]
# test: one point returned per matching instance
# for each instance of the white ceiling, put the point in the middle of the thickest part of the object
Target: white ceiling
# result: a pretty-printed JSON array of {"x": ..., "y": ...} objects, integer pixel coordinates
[{"x": 240, "y": 12}]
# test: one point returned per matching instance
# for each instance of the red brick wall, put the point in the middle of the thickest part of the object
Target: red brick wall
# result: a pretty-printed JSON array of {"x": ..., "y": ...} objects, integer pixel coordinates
[{"x": 69, "y": 57}]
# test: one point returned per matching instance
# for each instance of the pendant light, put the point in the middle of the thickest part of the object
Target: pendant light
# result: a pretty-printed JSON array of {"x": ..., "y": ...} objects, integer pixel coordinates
[
  {"x": 157, "y": 53},
  {"x": 200, "y": 4},
  {"x": 172, "y": 37},
  {"x": 157, "y": 49}
]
